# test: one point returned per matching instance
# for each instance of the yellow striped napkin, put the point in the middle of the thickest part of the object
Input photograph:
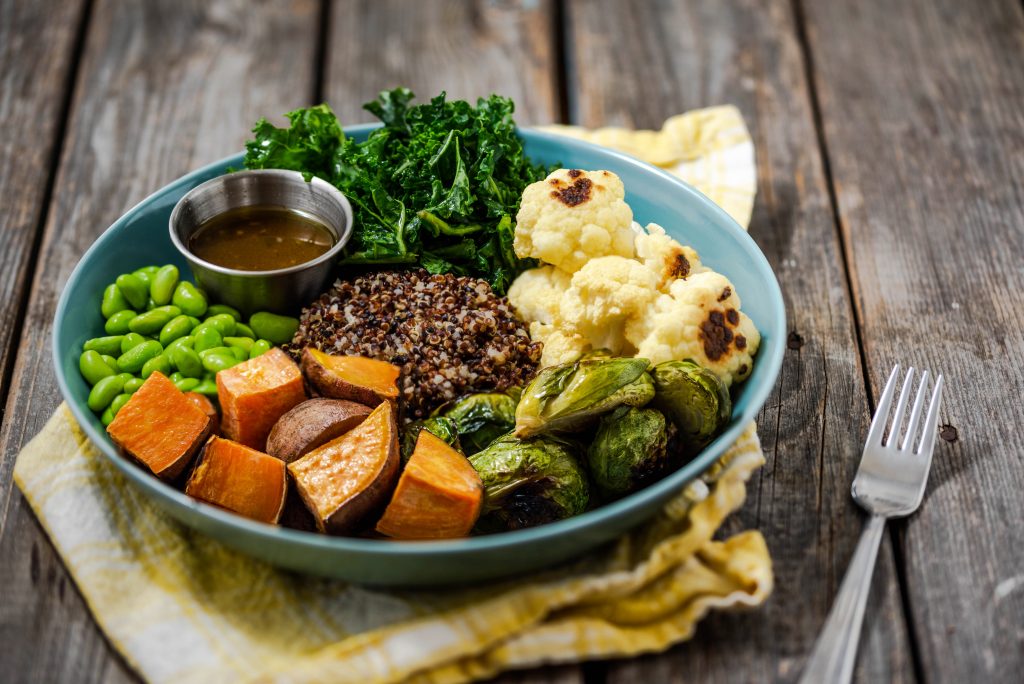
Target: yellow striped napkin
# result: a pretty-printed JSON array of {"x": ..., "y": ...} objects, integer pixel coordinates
[{"x": 182, "y": 608}]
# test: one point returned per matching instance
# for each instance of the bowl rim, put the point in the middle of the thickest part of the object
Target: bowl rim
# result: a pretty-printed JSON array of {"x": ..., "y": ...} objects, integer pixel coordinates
[{"x": 770, "y": 355}]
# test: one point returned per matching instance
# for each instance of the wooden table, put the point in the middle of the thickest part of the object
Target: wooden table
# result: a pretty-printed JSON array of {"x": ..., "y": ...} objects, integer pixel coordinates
[{"x": 890, "y": 158}]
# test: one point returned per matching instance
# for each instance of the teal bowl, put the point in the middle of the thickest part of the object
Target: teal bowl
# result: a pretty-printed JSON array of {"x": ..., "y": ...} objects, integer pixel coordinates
[{"x": 140, "y": 237}]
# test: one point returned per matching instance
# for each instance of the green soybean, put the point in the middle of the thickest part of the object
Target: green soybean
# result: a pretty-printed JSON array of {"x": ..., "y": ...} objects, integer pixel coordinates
[
  {"x": 93, "y": 367},
  {"x": 130, "y": 341},
  {"x": 240, "y": 342},
  {"x": 179, "y": 326},
  {"x": 259, "y": 347},
  {"x": 162, "y": 284},
  {"x": 180, "y": 342},
  {"x": 207, "y": 386},
  {"x": 186, "y": 384},
  {"x": 144, "y": 276},
  {"x": 111, "y": 361},
  {"x": 135, "y": 358},
  {"x": 160, "y": 362},
  {"x": 113, "y": 301},
  {"x": 218, "y": 309},
  {"x": 190, "y": 300},
  {"x": 188, "y": 362},
  {"x": 206, "y": 338},
  {"x": 194, "y": 321},
  {"x": 223, "y": 323},
  {"x": 133, "y": 385},
  {"x": 218, "y": 362},
  {"x": 104, "y": 391},
  {"x": 242, "y": 330},
  {"x": 133, "y": 289},
  {"x": 119, "y": 401},
  {"x": 107, "y": 417},
  {"x": 151, "y": 322},
  {"x": 118, "y": 323},
  {"x": 176, "y": 376},
  {"x": 104, "y": 345},
  {"x": 277, "y": 329},
  {"x": 148, "y": 271}
]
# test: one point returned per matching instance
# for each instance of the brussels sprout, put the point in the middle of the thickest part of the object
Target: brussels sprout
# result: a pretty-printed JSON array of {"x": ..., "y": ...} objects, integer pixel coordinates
[
  {"x": 568, "y": 396},
  {"x": 630, "y": 450},
  {"x": 601, "y": 353},
  {"x": 439, "y": 426},
  {"x": 480, "y": 419},
  {"x": 529, "y": 482},
  {"x": 693, "y": 398}
]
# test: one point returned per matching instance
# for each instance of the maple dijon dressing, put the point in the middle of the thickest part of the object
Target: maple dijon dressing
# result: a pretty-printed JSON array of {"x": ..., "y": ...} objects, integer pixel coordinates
[{"x": 260, "y": 238}]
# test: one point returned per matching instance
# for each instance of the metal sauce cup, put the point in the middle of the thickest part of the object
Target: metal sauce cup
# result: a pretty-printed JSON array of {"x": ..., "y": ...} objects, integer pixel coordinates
[{"x": 283, "y": 290}]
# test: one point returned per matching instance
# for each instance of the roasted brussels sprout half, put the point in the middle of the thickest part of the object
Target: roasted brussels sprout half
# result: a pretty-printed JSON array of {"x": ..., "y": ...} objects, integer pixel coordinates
[
  {"x": 568, "y": 396},
  {"x": 479, "y": 419},
  {"x": 439, "y": 426},
  {"x": 630, "y": 450},
  {"x": 529, "y": 482},
  {"x": 694, "y": 399}
]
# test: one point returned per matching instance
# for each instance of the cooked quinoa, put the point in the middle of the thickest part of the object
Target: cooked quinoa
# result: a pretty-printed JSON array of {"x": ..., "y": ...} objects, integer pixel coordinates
[{"x": 450, "y": 335}]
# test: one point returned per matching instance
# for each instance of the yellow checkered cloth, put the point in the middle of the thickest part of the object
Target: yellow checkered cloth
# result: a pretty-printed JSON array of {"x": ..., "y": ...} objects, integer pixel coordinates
[{"x": 182, "y": 608}]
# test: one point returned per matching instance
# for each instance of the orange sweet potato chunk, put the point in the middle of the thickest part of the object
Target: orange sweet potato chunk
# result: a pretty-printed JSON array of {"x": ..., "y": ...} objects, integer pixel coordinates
[
  {"x": 206, "y": 406},
  {"x": 160, "y": 428},
  {"x": 438, "y": 495},
  {"x": 240, "y": 479},
  {"x": 255, "y": 393},
  {"x": 356, "y": 378}
]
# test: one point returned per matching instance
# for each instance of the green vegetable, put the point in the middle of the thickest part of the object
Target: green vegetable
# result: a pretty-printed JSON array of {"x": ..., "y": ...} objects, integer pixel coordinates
[
  {"x": 109, "y": 345},
  {"x": 176, "y": 328},
  {"x": 218, "y": 361},
  {"x": 107, "y": 417},
  {"x": 163, "y": 283},
  {"x": 132, "y": 386},
  {"x": 135, "y": 358},
  {"x": 242, "y": 330},
  {"x": 190, "y": 300},
  {"x": 93, "y": 367},
  {"x": 110, "y": 361},
  {"x": 529, "y": 482},
  {"x": 151, "y": 322},
  {"x": 187, "y": 361},
  {"x": 130, "y": 341},
  {"x": 207, "y": 386},
  {"x": 276, "y": 329},
  {"x": 241, "y": 343},
  {"x": 113, "y": 301},
  {"x": 206, "y": 338},
  {"x": 569, "y": 396},
  {"x": 259, "y": 347},
  {"x": 630, "y": 450},
  {"x": 134, "y": 290},
  {"x": 695, "y": 400},
  {"x": 437, "y": 186},
  {"x": 222, "y": 323},
  {"x": 104, "y": 391},
  {"x": 118, "y": 324},
  {"x": 218, "y": 309},
  {"x": 187, "y": 384},
  {"x": 439, "y": 426},
  {"x": 146, "y": 271},
  {"x": 119, "y": 401},
  {"x": 479, "y": 419}
]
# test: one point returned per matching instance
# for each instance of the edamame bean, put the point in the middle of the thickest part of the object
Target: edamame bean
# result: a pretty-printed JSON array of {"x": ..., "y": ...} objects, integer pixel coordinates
[
  {"x": 107, "y": 417},
  {"x": 215, "y": 350},
  {"x": 104, "y": 345},
  {"x": 188, "y": 362},
  {"x": 175, "y": 376},
  {"x": 162, "y": 284},
  {"x": 190, "y": 300},
  {"x": 133, "y": 289},
  {"x": 150, "y": 323},
  {"x": 206, "y": 387},
  {"x": 194, "y": 321},
  {"x": 119, "y": 401},
  {"x": 223, "y": 323},
  {"x": 135, "y": 358},
  {"x": 239, "y": 354},
  {"x": 133, "y": 385},
  {"x": 150, "y": 271},
  {"x": 160, "y": 362},
  {"x": 180, "y": 342},
  {"x": 179, "y": 326},
  {"x": 277, "y": 329},
  {"x": 242, "y": 330},
  {"x": 218, "y": 362},
  {"x": 111, "y": 361},
  {"x": 145, "y": 276},
  {"x": 218, "y": 309},
  {"x": 118, "y": 323},
  {"x": 104, "y": 391},
  {"x": 186, "y": 384},
  {"x": 169, "y": 309},
  {"x": 93, "y": 367},
  {"x": 259, "y": 347},
  {"x": 206, "y": 338},
  {"x": 130, "y": 341},
  {"x": 113, "y": 301},
  {"x": 240, "y": 342}
]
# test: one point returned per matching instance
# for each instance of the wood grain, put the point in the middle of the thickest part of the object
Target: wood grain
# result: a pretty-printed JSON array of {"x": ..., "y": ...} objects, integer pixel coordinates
[
  {"x": 164, "y": 87},
  {"x": 923, "y": 109},
  {"x": 469, "y": 49},
  {"x": 37, "y": 52},
  {"x": 650, "y": 60}
]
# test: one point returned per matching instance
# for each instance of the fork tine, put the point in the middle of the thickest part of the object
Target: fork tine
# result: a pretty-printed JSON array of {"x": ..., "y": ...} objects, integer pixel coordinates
[
  {"x": 901, "y": 409},
  {"x": 877, "y": 428},
  {"x": 915, "y": 416},
  {"x": 930, "y": 425}
]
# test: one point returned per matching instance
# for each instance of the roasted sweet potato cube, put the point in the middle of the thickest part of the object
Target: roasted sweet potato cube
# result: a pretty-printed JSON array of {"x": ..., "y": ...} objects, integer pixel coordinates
[
  {"x": 255, "y": 393},
  {"x": 160, "y": 428},
  {"x": 203, "y": 403},
  {"x": 240, "y": 479},
  {"x": 356, "y": 378}
]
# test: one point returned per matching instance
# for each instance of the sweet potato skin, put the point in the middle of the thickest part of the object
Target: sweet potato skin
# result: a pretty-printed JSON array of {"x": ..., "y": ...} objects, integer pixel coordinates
[
  {"x": 255, "y": 393},
  {"x": 242, "y": 480},
  {"x": 313, "y": 423},
  {"x": 438, "y": 495},
  {"x": 160, "y": 428},
  {"x": 347, "y": 480},
  {"x": 316, "y": 366}
]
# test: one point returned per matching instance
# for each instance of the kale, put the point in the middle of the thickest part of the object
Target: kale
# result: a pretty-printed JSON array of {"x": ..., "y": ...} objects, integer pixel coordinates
[{"x": 438, "y": 185}]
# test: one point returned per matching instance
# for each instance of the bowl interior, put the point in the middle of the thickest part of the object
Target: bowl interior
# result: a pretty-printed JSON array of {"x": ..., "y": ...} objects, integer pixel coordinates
[{"x": 140, "y": 237}]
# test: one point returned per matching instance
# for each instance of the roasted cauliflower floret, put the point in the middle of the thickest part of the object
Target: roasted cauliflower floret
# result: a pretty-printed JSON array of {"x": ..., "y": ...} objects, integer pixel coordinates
[
  {"x": 668, "y": 259},
  {"x": 699, "y": 319},
  {"x": 536, "y": 294},
  {"x": 560, "y": 345},
  {"x": 572, "y": 216}
]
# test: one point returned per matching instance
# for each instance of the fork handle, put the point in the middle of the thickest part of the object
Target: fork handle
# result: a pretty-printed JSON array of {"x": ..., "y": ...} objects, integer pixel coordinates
[{"x": 835, "y": 652}]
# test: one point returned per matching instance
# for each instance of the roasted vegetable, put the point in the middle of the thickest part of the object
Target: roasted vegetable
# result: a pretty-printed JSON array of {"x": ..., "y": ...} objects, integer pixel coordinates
[
  {"x": 480, "y": 419},
  {"x": 630, "y": 450},
  {"x": 240, "y": 479},
  {"x": 313, "y": 423},
  {"x": 529, "y": 482},
  {"x": 357, "y": 378},
  {"x": 255, "y": 393},
  {"x": 694, "y": 399},
  {"x": 568, "y": 396},
  {"x": 439, "y": 426}
]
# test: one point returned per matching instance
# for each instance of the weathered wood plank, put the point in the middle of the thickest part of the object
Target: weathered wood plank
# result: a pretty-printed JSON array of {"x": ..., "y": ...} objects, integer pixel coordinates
[
  {"x": 469, "y": 49},
  {"x": 923, "y": 109},
  {"x": 636, "y": 65},
  {"x": 164, "y": 87},
  {"x": 37, "y": 52}
]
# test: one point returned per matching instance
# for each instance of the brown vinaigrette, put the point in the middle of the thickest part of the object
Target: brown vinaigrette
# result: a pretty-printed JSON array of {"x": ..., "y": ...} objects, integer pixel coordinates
[{"x": 260, "y": 238}]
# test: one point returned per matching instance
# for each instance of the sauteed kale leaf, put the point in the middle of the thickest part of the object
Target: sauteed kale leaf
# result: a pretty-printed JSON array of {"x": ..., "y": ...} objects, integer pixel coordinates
[{"x": 438, "y": 185}]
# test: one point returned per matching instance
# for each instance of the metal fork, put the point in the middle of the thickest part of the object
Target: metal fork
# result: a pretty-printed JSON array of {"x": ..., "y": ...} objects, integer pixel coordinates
[{"x": 890, "y": 483}]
